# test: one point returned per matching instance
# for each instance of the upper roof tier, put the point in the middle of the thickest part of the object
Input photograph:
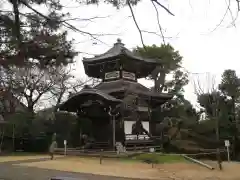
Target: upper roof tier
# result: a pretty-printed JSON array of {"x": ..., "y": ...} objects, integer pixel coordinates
[{"x": 130, "y": 62}]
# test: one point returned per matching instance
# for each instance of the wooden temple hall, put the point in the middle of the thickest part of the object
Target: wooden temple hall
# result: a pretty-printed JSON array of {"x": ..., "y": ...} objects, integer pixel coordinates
[{"x": 119, "y": 107}]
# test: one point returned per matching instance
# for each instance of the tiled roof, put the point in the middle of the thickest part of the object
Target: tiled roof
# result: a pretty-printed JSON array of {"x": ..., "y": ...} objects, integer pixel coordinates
[
  {"x": 125, "y": 85},
  {"x": 87, "y": 91},
  {"x": 115, "y": 51}
]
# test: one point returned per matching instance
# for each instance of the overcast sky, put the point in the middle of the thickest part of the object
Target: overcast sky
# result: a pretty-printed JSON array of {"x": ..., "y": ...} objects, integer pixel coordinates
[
  {"x": 192, "y": 31},
  {"x": 204, "y": 49}
]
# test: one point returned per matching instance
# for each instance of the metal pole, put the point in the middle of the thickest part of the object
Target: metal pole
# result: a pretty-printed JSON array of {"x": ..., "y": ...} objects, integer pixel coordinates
[
  {"x": 114, "y": 132},
  {"x": 228, "y": 154},
  {"x": 65, "y": 147},
  {"x": 13, "y": 137},
  {"x": 100, "y": 160}
]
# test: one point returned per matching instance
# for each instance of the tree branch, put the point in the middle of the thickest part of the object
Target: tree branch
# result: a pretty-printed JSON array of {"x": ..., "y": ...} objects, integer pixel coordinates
[
  {"x": 85, "y": 19},
  {"x": 238, "y": 4},
  {"x": 224, "y": 16},
  {"x": 66, "y": 24},
  {"x": 166, "y": 9},
  {"x": 155, "y": 33},
  {"x": 233, "y": 18},
  {"x": 135, "y": 21},
  {"x": 159, "y": 25}
]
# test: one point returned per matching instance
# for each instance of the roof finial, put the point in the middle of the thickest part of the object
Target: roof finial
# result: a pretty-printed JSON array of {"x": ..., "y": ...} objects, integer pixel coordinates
[
  {"x": 119, "y": 40},
  {"x": 119, "y": 43}
]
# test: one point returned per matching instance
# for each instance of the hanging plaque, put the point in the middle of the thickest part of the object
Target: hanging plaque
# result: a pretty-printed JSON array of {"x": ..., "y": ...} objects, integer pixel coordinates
[
  {"x": 112, "y": 75},
  {"x": 128, "y": 75}
]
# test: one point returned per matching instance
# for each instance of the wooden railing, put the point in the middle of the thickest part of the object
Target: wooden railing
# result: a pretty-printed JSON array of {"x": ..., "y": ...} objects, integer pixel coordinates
[{"x": 135, "y": 137}]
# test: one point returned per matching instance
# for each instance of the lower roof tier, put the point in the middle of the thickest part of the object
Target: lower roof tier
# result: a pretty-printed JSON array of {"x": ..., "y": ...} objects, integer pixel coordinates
[
  {"x": 122, "y": 85},
  {"x": 85, "y": 96},
  {"x": 103, "y": 94}
]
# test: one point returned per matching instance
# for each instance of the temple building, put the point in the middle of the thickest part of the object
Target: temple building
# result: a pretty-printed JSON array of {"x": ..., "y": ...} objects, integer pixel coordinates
[{"x": 119, "y": 106}]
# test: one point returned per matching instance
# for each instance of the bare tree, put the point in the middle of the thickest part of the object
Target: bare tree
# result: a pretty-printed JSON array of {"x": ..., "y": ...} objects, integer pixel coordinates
[
  {"x": 155, "y": 3},
  {"x": 61, "y": 87},
  {"x": 209, "y": 90},
  {"x": 9, "y": 102},
  {"x": 31, "y": 82},
  {"x": 67, "y": 85},
  {"x": 81, "y": 82}
]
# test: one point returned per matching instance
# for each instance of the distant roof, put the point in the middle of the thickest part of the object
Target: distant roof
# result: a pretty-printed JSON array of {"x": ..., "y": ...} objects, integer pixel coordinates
[
  {"x": 125, "y": 85},
  {"x": 81, "y": 97},
  {"x": 117, "y": 50}
]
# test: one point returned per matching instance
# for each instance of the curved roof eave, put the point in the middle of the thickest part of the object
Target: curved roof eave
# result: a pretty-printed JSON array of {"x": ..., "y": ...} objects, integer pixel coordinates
[
  {"x": 125, "y": 85},
  {"x": 90, "y": 91},
  {"x": 97, "y": 92},
  {"x": 139, "y": 58},
  {"x": 105, "y": 57},
  {"x": 117, "y": 50}
]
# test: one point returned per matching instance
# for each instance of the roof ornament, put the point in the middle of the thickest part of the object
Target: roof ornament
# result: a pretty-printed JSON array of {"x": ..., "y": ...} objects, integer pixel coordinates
[{"x": 119, "y": 40}]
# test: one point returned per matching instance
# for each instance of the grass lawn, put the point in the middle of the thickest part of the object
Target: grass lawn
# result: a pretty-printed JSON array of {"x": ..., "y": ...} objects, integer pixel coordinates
[
  {"x": 21, "y": 156},
  {"x": 156, "y": 158},
  {"x": 24, "y": 154}
]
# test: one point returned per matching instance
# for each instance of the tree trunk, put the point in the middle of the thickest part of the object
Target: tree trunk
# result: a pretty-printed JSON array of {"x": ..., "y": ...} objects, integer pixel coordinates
[
  {"x": 15, "y": 4},
  {"x": 159, "y": 81},
  {"x": 218, "y": 149},
  {"x": 31, "y": 112},
  {"x": 155, "y": 84},
  {"x": 159, "y": 76},
  {"x": 59, "y": 99},
  {"x": 30, "y": 109},
  {"x": 234, "y": 112},
  {"x": 218, "y": 155},
  {"x": 235, "y": 138}
]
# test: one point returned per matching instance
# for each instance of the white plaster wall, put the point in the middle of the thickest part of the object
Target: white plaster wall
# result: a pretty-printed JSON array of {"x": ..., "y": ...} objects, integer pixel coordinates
[{"x": 128, "y": 126}]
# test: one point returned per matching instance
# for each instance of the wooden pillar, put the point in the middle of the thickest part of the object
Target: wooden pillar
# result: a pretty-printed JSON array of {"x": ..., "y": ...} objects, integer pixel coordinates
[
  {"x": 123, "y": 124},
  {"x": 114, "y": 131},
  {"x": 113, "y": 121},
  {"x": 151, "y": 125}
]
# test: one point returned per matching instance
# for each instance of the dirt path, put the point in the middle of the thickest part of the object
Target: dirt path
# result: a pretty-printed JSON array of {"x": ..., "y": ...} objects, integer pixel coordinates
[
  {"x": 191, "y": 171},
  {"x": 180, "y": 171},
  {"x": 9, "y": 171}
]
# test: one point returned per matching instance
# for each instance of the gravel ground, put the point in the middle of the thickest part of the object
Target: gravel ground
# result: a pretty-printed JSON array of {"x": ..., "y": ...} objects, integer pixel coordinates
[
  {"x": 44, "y": 169},
  {"x": 9, "y": 171}
]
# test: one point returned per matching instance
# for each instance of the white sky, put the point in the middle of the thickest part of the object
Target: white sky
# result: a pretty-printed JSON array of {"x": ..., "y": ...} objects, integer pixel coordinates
[{"x": 203, "y": 51}]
